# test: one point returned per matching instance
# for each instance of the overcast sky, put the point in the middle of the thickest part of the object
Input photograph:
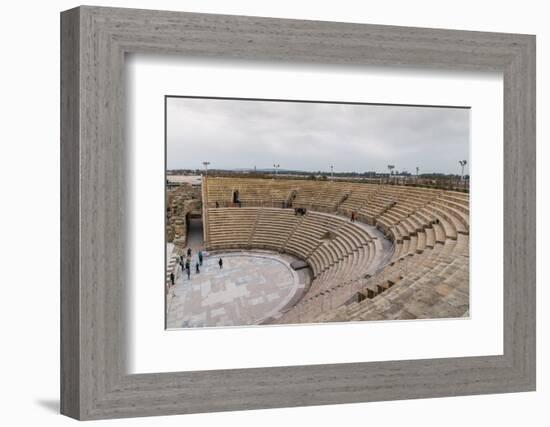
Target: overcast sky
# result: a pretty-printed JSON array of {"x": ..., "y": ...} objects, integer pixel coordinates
[{"x": 234, "y": 134}]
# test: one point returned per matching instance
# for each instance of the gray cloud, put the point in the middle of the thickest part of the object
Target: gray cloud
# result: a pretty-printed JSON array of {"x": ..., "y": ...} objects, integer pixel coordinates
[{"x": 312, "y": 136}]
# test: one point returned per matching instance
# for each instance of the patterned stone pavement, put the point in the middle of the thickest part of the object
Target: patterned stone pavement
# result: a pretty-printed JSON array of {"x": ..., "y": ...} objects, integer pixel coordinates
[{"x": 250, "y": 288}]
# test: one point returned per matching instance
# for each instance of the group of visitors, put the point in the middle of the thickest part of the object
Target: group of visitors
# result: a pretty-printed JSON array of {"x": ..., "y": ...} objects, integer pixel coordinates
[
  {"x": 300, "y": 211},
  {"x": 185, "y": 264}
]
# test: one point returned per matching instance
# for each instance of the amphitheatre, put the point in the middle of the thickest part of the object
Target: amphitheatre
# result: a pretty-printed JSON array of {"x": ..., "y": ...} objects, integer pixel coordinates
[{"x": 308, "y": 251}]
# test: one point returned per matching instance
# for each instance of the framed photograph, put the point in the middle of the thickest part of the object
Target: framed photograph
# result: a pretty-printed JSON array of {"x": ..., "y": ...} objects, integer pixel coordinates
[
  {"x": 322, "y": 239},
  {"x": 262, "y": 213}
]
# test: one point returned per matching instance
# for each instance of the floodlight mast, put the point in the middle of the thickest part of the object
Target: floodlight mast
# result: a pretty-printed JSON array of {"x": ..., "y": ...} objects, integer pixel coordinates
[
  {"x": 276, "y": 166},
  {"x": 390, "y": 167},
  {"x": 462, "y": 163},
  {"x": 206, "y": 167}
]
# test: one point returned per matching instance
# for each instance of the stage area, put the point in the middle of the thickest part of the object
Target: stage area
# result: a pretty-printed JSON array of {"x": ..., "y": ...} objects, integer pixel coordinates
[{"x": 252, "y": 288}]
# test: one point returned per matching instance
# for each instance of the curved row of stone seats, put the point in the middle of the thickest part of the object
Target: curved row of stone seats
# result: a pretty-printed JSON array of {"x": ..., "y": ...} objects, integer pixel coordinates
[
  {"x": 430, "y": 231},
  {"x": 429, "y": 267},
  {"x": 272, "y": 192},
  {"x": 260, "y": 192},
  {"x": 339, "y": 252},
  {"x": 380, "y": 202},
  {"x": 323, "y": 196},
  {"x": 334, "y": 287},
  {"x": 317, "y": 195},
  {"x": 306, "y": 193},
  {"x": 390, "y": 205},
  {"x": 414, "y": 244},
  {"x": 219, "y": 189},
  {"x": 351, "y": 265},
  {"x": 251, "y": 192},
  {"x": 420, "y": 232},
  {"x": 426, "y": 272},
  {"x": 446, "y": 222},
  {"x": 458, "y": 214},
  {"x": 456, "y": 197},
  {"x": 330, "y": 197},
  {"x": 321, "y": 239},
  {"x": 273, "y": 228},
  {"x": 433, "y": 265},
  {"x": 359, "y": 196},
  {"x": 341, "y": 275},
  {"x": 431, "y": 285},
  {"x": 418, "y": 297},
  {"x": 370, "y": 201},
  {"x": 405, "y": 205},
  {"x": 325, "y": 240},
  {"x": 230, "y": 227},
  {"x": 307, "y": 237}
]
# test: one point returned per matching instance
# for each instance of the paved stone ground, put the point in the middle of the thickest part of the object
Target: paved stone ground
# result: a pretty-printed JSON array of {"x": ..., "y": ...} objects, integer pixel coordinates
[{"x": 250, "y": 288}]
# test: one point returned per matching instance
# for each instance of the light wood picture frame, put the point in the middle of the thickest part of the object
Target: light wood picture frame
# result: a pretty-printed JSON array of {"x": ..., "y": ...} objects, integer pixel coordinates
[{"x": 94, "y": 382}]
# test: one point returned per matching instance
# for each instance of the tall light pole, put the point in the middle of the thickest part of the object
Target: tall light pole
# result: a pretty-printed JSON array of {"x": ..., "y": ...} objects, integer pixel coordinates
[
  {"x": 417, "y": 170},
  {"x": 390, "y": 167},
  {"x": 276, "y": 166},
  {"x": 206, "y": 167},
  {"x": 331, "y": 171},
  {"x": 462, "y": 163}
]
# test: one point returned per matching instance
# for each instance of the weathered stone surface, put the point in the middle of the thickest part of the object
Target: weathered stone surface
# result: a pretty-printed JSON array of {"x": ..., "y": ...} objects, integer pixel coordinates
[{"x": 418, "y": 239}]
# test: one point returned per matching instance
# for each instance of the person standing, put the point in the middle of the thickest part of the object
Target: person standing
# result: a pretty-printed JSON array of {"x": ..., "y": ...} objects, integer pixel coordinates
[
  {"x": 200, "y": 258},
  {"x": 188, "y": 268},
  {"x": 172, "y": 278},
  {"x": 197, "y": 268},
  {"x": 188, "y": 252},
  {"x": 220, "y": 262}
]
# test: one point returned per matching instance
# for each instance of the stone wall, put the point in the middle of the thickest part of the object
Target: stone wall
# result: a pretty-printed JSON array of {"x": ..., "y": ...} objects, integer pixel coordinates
[{"x": 179, "y": 203}]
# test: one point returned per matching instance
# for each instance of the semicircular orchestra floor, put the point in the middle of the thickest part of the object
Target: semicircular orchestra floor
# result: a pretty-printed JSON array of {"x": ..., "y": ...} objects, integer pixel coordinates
[{"x": 250, "y": 289}]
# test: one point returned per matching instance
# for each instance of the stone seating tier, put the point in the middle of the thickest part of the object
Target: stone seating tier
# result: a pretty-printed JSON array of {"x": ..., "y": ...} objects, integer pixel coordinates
[{"x": 427, "y": 275}]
